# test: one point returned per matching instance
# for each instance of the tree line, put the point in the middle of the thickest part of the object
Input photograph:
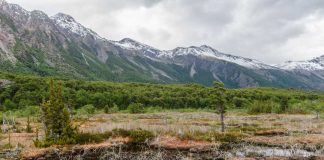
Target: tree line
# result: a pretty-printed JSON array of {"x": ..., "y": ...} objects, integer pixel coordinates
[{"x": 26, "y": 91}]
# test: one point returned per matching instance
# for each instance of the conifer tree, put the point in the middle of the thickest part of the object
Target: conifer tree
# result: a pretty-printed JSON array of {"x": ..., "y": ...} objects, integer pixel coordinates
[
  {"x": 56, "y": 117},
  {"x": 217, "y": 100}
]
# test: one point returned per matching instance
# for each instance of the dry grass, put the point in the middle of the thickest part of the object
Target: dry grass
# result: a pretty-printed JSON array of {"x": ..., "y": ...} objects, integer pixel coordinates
[
  {"x": 309, "y": 139},
  {"x": 170, "y": 142},
  {"x": 272, "y": 129}
]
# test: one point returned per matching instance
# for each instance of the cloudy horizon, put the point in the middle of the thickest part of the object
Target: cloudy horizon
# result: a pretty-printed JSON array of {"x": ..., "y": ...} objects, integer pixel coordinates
[{"x": 272, "y": 31}]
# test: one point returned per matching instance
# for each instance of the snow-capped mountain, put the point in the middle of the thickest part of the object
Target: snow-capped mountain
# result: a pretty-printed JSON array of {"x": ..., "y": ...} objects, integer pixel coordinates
[
  {"x": 131, "y": 44},
  {"x": 208, "y": 52},
  {"x": 203, "y": 51},
  {"x": 34, "y": 43},
  {"x": 68, "y": 23},
  {"x": 315, "y": 64}
]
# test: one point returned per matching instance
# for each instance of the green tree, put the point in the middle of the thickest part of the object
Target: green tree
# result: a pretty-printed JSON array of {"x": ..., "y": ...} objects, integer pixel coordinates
[
  {"x": 136, "y": 108},
  {"x": 56, "y": 118},
  {"x": 217, "y": 98},
  {"x": 317, "y": 108},
  {"x": 284, "y": 103},
  {"x": 88, "y": 109},
  {"x": 9, "y": 105}
]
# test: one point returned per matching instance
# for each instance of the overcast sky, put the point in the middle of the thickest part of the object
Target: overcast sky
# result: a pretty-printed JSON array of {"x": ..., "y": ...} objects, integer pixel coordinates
[{"x": 272, "y": 31}]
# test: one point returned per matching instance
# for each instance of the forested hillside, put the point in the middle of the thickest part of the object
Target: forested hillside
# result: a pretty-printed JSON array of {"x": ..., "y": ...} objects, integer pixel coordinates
[
  {"x": 34, "y": 43},
  {"x": 21, "y": 92}
]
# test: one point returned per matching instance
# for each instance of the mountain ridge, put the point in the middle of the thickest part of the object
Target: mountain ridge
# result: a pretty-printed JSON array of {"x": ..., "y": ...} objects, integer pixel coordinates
[{"x": 35, "y": 43}]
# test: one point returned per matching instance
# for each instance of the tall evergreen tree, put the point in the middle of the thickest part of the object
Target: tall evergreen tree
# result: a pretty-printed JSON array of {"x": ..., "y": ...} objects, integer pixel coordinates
[
  {"x": 56, "y": 117},
  {"x": 217, "y": 100}
]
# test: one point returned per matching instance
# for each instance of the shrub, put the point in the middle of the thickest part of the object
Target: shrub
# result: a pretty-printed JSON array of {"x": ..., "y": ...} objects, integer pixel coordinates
[
  {"x": 9, "y": 104},
  {"x": 84, "y": 138},
  {"x": 120, "y": 132},
  {"x": 141, "y": 136},
  {"x": 297, "y": 109},
  {"x": 28, "y": 111},
  {"x": 87, "y": 109},
  {"x": 240, "y": 102},
  {"x": 136, "y": 108},
  {"x": 113, "y": 109},
  {"x": 267, "y": 106},
  {"x": 137, "y": 136},
  {"x": 153, "y": 109},
  {"x": 229, "y": 137}
]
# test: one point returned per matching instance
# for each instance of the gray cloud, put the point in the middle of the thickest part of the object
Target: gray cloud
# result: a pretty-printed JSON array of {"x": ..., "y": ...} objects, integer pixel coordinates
[{"x": 269, "y": 30}]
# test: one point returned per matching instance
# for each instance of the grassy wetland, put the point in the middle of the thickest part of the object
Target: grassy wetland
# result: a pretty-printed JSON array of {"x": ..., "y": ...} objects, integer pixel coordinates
[{"x": 105, "y": 120}]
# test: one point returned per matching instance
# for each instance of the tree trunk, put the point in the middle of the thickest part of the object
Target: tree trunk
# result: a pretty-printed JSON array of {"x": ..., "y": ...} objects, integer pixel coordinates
[{"x": 222, "y": 119}]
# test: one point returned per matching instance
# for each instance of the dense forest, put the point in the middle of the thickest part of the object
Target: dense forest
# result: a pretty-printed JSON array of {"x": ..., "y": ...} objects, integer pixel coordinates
[{"x": 21, "y": 92}]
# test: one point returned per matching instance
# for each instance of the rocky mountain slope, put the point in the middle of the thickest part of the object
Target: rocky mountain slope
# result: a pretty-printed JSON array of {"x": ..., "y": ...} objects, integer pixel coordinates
[{"x": 32, "y": 42}]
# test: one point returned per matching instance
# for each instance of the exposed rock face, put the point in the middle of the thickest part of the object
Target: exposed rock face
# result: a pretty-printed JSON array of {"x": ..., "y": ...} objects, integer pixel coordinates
[{"x": 4, "y": 83}]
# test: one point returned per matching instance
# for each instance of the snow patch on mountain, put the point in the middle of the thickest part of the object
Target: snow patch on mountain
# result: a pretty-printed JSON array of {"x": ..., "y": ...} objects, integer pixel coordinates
[
  {"x": 67, "y": 22},
  {"x": 192, "y": 70},
  {"x": 311, "y": 65},
  {"x": 202, "y": 51},
  {"x": 210, "y": 53},
  {"x": 85, "y": 59},
  {"x": 131, "y": 44},
  {"x": 13, "y": 10}
]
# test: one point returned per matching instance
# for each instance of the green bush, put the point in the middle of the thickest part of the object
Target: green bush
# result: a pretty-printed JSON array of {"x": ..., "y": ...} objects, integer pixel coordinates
[
  {"x": 229, "y": 137},
  {"x": 113, "y": 109},
  {"x": 84, "y": 138},
  {"x": 87, "y": 109},
  {"x": 136, "y": 108},
  {"x": 9, "y": 105},
  {"x": 267, "y": 106},
  {"x": 154, "y": 109},
  {"x": 297, "y": 109},
  {"x": 120, "y": 132},
  {"x": 137, "y": 136},
  {"x": 49, "y": 142},
  {"x": 27, "y": 111},
  {"x": 240, "y": 102},
  {"x": 141, "y": 136}
]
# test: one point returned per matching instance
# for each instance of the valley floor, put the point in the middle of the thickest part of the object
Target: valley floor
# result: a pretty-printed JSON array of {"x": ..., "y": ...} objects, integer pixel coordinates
[{"x": 186, "y": 135}]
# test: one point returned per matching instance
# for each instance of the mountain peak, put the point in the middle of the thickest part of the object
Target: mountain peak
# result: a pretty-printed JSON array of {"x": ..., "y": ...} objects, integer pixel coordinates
[
  {"x": 63, "y": 17},
  {"x": 308, "y": 65},
  {"x": 131, "y": 44},
  {"x": 39, "y": 14},
  {"x": 206, "y": 46},
  {"x": 125, "y": 40},
  {"x": 68, "y": 23},
  {"x": 12, "y": 9}
]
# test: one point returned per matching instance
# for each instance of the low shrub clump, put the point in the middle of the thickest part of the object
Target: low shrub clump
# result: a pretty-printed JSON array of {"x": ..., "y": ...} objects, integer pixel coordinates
[
  {"x": 136, "y": 108},
  {"x": 87, "y": 110},
  {"x": 79, "y": 138},
  {"x": 50, "y": 142},
  {"x": 229, "y": 137},
  {"x": 111, "y": 109},
  {"x": 84, "y": 138},
  {"x": 137, "y": 136},
  {"x": 265, "y": 107}
]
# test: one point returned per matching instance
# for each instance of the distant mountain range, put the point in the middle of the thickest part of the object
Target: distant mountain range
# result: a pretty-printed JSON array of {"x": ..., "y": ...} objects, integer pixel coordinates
[{"x": 32, "y": 42}]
